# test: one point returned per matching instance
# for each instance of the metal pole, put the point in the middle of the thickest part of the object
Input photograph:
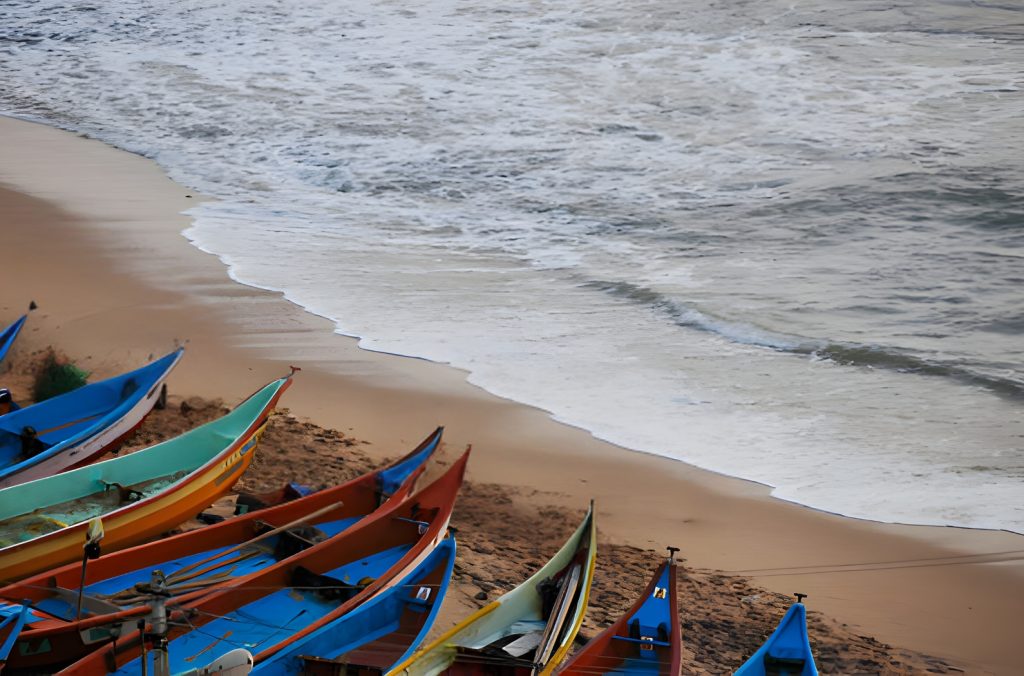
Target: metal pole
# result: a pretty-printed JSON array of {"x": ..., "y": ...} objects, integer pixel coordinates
[
  {"x": 141, "y": 624},
  {"x": 93, "y": 535},
  {"x": 161, "y": 663},
  {"x": 81, "y": 584}
]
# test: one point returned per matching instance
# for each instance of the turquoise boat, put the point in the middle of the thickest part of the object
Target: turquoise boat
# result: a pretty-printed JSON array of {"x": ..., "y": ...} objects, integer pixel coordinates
[
  {"x": 43, "y": 523},
  {"x": 787, "y": 652},
  {"x": 9, "y": 334},
  {"x": 75, "y": 428},
  {"x": 378, "y": 634}
]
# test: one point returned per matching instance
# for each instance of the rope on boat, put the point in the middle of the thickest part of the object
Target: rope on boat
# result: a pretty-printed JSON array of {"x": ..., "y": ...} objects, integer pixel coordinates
[
  {"x": 268, "y": 588},
  {"x": 864, "y": 566}
]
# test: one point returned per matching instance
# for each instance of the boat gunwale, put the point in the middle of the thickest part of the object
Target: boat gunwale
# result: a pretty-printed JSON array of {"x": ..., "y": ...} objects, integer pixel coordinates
[{"x": 10, "y": 334}]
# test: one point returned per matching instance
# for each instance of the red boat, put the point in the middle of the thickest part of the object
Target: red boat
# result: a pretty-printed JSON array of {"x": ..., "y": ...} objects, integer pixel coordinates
[
  {"x": 646, "y": 640},
  {"x": 292, "y": 598}
]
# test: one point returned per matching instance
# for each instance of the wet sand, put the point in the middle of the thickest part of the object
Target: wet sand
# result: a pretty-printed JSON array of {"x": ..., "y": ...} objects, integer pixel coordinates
[{"x": 92, "y": 235}]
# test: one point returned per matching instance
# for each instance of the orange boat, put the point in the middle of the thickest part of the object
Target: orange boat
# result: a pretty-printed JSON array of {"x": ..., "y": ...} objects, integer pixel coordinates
[{"x": 44, "y": 523}]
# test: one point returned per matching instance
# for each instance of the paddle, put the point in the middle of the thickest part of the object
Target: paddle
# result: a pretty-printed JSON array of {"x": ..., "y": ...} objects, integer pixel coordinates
[
  {"x": 554, "y": 626},
  {"x": 231, "y": 550}
]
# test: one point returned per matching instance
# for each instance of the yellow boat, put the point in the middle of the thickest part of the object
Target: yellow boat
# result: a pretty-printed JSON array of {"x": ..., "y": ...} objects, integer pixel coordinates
[
  {"x": 529, "y": 630},
  {"x": 44, "y": 523}
]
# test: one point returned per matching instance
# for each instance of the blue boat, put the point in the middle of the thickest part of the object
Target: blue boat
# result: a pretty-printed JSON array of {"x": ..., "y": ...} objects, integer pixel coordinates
[
  {"x": 9, "y": 334},
  {"x": 378, "y": 634},
  {"x": 646, "y": 640},
  {"x": 787, "y": 652},
  {"x": 72, "y": 429}
]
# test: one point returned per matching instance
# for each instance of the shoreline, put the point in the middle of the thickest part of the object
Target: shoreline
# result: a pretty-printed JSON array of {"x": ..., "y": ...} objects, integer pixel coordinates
[{"x": 119, "y": 211}]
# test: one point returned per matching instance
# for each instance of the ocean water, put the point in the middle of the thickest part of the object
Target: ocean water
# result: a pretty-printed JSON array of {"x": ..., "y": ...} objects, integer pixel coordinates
[{"x": 782, "y": 240}]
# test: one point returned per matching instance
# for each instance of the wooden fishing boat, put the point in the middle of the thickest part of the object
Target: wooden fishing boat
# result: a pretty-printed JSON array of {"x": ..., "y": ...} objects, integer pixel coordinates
[
  {"x": 43, "y": 523},
  {"x": 528, "y": 630},
  {"x": 195, "y": 562},
  {"x": 77, "y": 427},
  {"x": 645, "y": 640},
  {"x": 266, "y": 611},
  {"x": 787, "y": 652},
  {"x": 378, "y": 634},
  {"x": 8, "y": 335}
]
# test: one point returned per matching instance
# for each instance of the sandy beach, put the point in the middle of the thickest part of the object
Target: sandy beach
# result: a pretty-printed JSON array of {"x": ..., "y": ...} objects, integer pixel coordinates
[{"x": 93, "y": 235}]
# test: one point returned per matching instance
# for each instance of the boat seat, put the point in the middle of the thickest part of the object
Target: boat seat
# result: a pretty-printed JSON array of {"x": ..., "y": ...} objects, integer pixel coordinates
[
  {"x": 420, "y": 598},
  {"x": 329, "y": 588},
  {"x": 783, "y": 666},
  {"x": 645, "y": 641},
  {"x": 31, "y": 442},
  {"x": 250, "y": 502},
  {"x": 125, "y": 494},
  {"x": 58, "y": 433},
  {"x": 659, "y": 633}
]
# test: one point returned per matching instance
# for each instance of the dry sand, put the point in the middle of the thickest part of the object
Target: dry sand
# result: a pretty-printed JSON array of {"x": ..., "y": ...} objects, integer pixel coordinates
[{"x": 92, "y": 235}]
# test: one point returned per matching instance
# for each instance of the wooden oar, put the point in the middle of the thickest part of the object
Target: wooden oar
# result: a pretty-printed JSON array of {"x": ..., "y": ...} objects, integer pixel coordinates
[
  {"x": 122, "y": 596},
  {"x": 140, "y": 597},
  {"x": 554, "y": 627},
  {"x": 202, "y": 571},
  {"x": 308, "y": 517}
]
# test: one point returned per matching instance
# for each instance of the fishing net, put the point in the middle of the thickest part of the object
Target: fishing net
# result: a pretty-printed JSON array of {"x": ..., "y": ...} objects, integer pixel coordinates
[{"x": 55, "y": 376}]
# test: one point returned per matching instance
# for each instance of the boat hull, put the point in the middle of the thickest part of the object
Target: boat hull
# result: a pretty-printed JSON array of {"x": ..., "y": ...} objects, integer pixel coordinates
[{"x": 95, "y": 447}]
